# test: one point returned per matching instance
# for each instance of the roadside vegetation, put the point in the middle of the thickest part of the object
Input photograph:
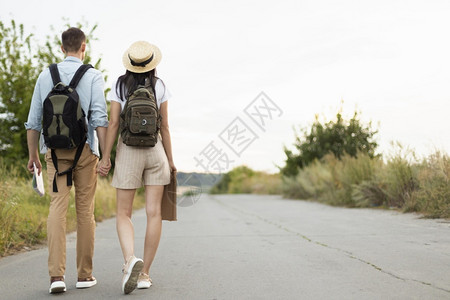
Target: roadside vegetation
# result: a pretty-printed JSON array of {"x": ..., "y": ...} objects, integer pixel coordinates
[
  {"x": 335, "y": 162},
  {"x": 412, "y": 185},
  {"x": 242, "y": 180}
]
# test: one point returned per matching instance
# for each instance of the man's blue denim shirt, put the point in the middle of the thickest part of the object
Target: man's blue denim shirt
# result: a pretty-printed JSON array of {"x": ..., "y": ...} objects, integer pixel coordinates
[{"x": 90, "y": 90}]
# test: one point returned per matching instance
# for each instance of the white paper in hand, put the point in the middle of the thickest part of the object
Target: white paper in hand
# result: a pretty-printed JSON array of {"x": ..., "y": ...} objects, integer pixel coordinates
[{"x": 38, "y": 182}]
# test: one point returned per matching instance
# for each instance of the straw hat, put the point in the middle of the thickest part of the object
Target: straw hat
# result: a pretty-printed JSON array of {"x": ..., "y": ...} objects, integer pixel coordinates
[{"x": 141, "y": 57}]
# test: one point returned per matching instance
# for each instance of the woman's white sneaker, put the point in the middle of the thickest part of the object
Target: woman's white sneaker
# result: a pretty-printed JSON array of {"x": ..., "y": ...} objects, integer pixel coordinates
[
  {"x": 131, "y": 271},
  {"x": 144, "y": 281}
]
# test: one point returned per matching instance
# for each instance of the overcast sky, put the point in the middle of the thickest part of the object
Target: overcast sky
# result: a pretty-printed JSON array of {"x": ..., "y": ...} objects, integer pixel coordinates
[{"x": 388, "y": 59}]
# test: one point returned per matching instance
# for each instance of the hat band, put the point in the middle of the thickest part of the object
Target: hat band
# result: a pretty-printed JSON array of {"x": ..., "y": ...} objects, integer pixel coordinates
[{"x": 141, "y": 64}]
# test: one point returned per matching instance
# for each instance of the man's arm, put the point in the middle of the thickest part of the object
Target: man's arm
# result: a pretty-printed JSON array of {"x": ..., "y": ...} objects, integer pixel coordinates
[
  {"x": 101, "y": 133},
  {"x": 33, "y": 127},
  {"x": 33, "y": 141}
]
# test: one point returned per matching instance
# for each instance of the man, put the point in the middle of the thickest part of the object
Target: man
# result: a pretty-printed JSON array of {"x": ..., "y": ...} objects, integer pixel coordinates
[{"x": 91, "y": 94}]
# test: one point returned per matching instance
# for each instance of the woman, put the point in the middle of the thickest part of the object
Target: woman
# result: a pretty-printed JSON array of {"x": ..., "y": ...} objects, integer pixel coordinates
[{"x": 151, "y": 166}]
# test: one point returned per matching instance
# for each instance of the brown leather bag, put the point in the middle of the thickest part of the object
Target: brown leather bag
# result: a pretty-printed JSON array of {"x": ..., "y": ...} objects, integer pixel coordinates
[{"x": 169, "y": 200}]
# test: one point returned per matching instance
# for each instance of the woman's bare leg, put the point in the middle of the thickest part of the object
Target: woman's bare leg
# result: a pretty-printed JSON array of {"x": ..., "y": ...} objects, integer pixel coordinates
[
  {"x": 124, "y": 226},
  {"x": 153, "y": 198}
]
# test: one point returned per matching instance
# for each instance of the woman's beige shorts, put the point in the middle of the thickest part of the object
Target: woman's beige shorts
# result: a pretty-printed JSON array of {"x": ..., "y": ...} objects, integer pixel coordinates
[{"x": 136, "y": 166}]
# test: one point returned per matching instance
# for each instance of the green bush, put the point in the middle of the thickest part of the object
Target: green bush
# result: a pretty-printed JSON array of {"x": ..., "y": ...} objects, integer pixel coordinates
[
  {"x": 339, "y": 137},
  {"x": 243, "y": 180}
]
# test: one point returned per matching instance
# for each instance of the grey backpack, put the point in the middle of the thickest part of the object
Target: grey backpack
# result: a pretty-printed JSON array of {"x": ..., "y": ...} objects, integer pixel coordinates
[{"x": 140, "y": 120}]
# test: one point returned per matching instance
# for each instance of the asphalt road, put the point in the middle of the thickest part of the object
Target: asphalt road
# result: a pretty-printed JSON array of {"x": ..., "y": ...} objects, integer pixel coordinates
[{"x": 262, "y": 247}]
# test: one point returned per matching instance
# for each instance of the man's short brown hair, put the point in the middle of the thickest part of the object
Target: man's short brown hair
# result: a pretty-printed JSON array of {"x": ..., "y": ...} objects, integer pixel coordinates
[{"x": 72, "y": 39}]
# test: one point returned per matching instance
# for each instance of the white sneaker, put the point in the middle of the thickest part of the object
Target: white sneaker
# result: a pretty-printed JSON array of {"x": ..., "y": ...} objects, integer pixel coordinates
[
  {"x": 57, "y": 286},
  {"x": 86, "y": 283},
  {"x": 131, "y": 272},
  {"x": 144, "y": 281}
]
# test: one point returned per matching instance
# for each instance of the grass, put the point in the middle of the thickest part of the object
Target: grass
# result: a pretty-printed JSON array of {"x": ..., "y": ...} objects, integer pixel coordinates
[
  {"x": 23, "y": 214},
  {"x": 402, "y": 181}
]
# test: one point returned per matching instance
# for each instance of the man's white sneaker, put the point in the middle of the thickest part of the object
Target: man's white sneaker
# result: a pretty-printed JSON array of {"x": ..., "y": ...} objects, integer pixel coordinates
[
  {"x": 84, "y": 283},
  {"x": 131, "y": 271},
  {"x": 57, "y": 285},
  {"x": 144, "y": 281}
]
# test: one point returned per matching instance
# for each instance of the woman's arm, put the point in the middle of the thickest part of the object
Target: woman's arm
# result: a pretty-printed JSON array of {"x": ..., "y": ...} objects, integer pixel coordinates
[
  {"x": 111, "y": 134},
  {"x": 165, "y": 134}
]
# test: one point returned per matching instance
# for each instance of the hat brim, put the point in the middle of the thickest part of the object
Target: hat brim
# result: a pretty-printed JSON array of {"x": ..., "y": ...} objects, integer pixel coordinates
[{"x": 150, "y": 66}]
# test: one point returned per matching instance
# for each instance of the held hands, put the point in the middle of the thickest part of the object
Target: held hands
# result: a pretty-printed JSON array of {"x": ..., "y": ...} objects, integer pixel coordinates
[{"x": 104, "y": 166}]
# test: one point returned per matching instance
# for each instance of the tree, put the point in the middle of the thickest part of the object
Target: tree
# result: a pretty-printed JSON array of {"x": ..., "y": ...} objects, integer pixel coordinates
[
  {"x": 17, "y": 78},
  {"x": 337, "y": 136},
  {"x": 21, "y": 60}
]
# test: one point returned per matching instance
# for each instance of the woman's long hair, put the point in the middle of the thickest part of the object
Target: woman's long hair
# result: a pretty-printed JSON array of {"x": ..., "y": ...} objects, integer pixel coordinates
[{"x": 129, "y": 81}]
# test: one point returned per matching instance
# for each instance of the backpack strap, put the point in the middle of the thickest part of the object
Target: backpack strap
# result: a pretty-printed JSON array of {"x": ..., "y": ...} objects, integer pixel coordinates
[
  {"x": 159, "y": 120},
  {"x": 152, "y": 86},
  {"x": 69, "y": 171},
  {"x": 78, "y": 75},
  {"x": 55, "y": 74}
]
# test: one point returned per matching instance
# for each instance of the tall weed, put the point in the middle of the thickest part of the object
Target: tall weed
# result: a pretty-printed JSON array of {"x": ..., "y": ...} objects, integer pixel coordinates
[
  {"x": 399, "y": 179},
  {"x": 433, "y": 179}
]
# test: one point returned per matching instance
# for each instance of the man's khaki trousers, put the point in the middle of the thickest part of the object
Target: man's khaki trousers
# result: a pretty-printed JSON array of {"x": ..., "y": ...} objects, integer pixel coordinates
[{"x": 85, "y": 182}]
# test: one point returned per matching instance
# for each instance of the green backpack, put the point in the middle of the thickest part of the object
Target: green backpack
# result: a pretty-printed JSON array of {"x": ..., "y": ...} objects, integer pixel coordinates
[
  {"x": 140, "y": 120},
  {"x": 64, "y": 122}
]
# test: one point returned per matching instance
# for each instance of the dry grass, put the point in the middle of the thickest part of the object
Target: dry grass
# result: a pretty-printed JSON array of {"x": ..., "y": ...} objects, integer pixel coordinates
[{"x": 401, "y": 181}]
